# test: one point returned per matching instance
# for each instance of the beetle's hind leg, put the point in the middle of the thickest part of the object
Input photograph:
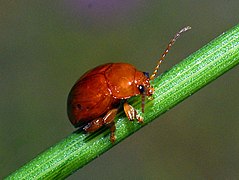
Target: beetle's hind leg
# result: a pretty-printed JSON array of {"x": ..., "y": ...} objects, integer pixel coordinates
[
  {"x": 107, "y": 120},
  {"x": 94, "y": 125},
  {"x": 131, "y": 113}
]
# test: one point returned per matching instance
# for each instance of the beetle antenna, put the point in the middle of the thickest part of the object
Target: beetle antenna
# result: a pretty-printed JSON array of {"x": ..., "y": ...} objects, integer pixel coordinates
[{"x": 170, "y": 44}]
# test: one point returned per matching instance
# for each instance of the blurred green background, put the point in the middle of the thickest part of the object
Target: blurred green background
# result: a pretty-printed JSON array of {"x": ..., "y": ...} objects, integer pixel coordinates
[{"x": 45, "y": 46}]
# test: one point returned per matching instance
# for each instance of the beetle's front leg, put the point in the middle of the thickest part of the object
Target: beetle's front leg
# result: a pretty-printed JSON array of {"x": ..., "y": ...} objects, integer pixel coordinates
[{"x": 131, "y": 113}]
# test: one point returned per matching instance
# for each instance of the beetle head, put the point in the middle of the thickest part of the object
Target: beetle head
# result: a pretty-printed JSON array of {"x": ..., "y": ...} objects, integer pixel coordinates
[{"x": 143, "y": 85}]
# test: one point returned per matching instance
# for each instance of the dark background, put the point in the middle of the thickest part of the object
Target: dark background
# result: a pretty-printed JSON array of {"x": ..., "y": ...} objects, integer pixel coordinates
[{"x": 45, "y": 46}]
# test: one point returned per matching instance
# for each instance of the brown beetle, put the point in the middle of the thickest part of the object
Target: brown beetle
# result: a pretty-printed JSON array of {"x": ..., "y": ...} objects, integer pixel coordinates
[{"x": 95, "y": 98}]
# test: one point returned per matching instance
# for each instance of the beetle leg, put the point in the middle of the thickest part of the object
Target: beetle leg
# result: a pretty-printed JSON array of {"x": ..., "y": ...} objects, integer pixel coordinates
[
  {"x": 112, "y": 131},
  {"x": 131, "y": 113},
  {"x": 94, "y": 125},
  {"x": 109, "y": 121}
]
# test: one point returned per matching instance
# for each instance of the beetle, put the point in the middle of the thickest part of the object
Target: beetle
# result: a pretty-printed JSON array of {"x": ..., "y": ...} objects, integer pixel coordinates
[{"x": 96, "y": 97}]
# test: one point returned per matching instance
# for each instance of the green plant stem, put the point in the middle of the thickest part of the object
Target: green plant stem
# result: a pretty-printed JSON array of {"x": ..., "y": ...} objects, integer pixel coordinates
[{"x": 172, "y": 87}]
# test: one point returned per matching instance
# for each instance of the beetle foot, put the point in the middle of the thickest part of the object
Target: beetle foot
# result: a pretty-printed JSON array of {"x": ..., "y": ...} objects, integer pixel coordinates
[
  {"x": 109, "y": 121},
  {"x": 131, "y": 113},
  {"x": 112, "y": 138},
  {"x": 112, "y": 131},
  {"x": 140, "y": 119}
]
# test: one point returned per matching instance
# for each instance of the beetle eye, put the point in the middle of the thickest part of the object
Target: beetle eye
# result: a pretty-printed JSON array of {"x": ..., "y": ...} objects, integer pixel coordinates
[
  {"x": 146, "y": 74},
  {"x": 141, "y": 89}
]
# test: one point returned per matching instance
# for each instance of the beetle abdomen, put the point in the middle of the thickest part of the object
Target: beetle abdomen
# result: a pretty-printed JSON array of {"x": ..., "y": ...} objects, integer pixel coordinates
[{"x": 88, "y": 99}]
